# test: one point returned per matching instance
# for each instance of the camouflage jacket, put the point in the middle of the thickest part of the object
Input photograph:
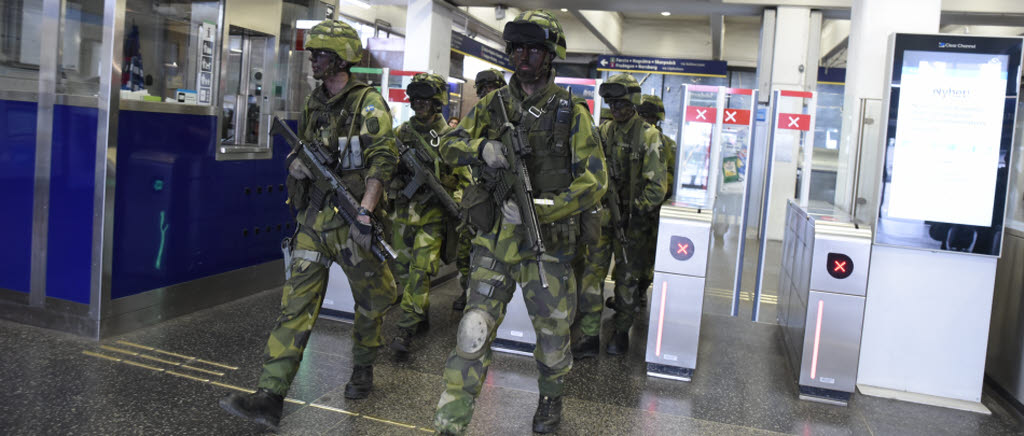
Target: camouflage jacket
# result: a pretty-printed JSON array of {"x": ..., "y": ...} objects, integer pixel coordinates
[
  {"x": 634, "y": 148},
  {"x": 568, "y": 177},
  {"x": 670, "y": 161},
  {"x": 357, "y": 111},
  {"x": 423, "y": 208}
]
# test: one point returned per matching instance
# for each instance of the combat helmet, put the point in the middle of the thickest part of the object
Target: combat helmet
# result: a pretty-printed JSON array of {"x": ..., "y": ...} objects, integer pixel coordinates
[
  {"x": 491, "y": 77},
  {"x": 338, "y": 37},
  {"x": 622, "y": 86},
  {"x": 535, "y": 27},
  {"x": 651, "y": 104},
  {"x": 427, "y": 85}
]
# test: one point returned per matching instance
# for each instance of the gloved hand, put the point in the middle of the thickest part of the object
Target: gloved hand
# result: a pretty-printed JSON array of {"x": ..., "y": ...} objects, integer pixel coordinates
[
  {"x": 298, "y": 170},
  {"x": 493, "y": 154},
  {"x": 510, "y": 210},
  {"x": 360, "y": 232}
]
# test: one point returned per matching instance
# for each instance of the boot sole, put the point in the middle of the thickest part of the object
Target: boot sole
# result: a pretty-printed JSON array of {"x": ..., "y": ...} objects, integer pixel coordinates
[
  {"x": 356, "y": 394},
  {"x": 543, "y": 429},
  {"x": 228, "y": 407}
]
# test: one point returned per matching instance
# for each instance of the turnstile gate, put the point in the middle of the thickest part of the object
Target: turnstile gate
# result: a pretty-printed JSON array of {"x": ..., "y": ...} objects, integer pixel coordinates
[{"x": 822, "y": 284}]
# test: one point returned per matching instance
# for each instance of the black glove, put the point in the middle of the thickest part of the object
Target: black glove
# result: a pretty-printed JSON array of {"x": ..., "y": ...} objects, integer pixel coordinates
[{"x": 360, "y": 233}]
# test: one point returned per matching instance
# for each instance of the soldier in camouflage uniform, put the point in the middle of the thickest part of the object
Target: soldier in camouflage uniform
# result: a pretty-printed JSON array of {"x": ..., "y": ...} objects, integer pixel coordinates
[
  {"x": 419, "y": 223},
  {"x": 568, "y": 175},
  {"x": 635, "y": 151},
  {"x": 486, "y": 82},
  {"x": 652, "y": 110},
  {"x": 353, "y": 122}
]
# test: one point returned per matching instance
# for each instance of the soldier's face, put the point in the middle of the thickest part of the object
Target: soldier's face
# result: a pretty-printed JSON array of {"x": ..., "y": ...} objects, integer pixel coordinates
[
  {"x": 423, "y": 107},
  {"x": 484, "y": 90},
  {"x": 649, "y": 117},
  {"x": 528, "y": 61},
  {"x": 622, "y": 109},
  {"x": 320, "y": 60}
]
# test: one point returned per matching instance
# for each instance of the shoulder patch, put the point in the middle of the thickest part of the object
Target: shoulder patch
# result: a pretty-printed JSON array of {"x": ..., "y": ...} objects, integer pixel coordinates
[
  {"x": 372, "y": 125},
  {"x": 369, "y": 108}
]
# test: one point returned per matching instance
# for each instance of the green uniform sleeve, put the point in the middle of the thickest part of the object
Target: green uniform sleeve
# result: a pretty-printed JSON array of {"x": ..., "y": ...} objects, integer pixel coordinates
[
  {"x": 461, "y": 146},
  {"x": 590, "y": 176},
  {"x": 654, "y": 173},
  {"x": 381, "y": 154},
  {"x": 670, "y": 163}
]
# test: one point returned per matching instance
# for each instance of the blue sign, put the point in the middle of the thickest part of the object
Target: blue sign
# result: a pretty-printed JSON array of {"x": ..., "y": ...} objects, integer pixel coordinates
[
  {"x": 463, "y": 45},
  {"x": 831, "y": 75},
  {"x": 642, "y": 64}
]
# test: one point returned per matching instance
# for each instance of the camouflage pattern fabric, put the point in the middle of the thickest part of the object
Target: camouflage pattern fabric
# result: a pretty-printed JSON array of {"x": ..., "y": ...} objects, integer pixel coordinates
[
  {"x": 594, "y": 261},
  {"x": 497, "y": 263},
  {"x": 373, "y": 286},
  {"x": 462, "y": 256},
  {"x": 635, "y": 148},
  {"x": 548, "y": 22},
  {"x": 492, "y": 285},
  {"x": 670, "y": 162},
  {"x": 336, "y": 36},
  {"x": 419, "y": 223}
]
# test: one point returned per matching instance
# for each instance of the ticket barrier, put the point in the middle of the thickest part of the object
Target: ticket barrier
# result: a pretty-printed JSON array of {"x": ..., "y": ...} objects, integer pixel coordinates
[
  {"x": 515, "y": 333},
  {"x": 677, "y": 298},
  {"x": 822, "y": 285}
]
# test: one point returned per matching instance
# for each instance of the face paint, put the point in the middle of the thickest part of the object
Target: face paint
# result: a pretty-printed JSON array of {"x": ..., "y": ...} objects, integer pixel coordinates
[
  {"x": 424, "y": 108},
  {"x": 486, "y": 89},
  {"x": 649, "y": 117},
  {"x": 530, "y": 62},
  {"x": 622, "y": 109},
  {"x": 320, "y": 60}
]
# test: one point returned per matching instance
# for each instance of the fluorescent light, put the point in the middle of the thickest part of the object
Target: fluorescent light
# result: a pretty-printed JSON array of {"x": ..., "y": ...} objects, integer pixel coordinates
[
  {"x": 360, "y": 3},
  {"x": 305, "y": 24},
  {"x": 666, "y": 13},
  {"x": 564, "y": 10},
  {"x": 455, "y": 80}
]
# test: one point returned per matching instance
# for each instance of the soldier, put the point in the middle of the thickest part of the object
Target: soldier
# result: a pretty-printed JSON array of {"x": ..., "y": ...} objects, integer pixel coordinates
[
  {"x": 652, "y": 110},
  {"x": 419, "y": 223},
  {"x": 353, "y": 122},
  {"x": 634, "y": 151},
  {"x": 567, "y": 172},
  {"x": 486, "y": 81}
]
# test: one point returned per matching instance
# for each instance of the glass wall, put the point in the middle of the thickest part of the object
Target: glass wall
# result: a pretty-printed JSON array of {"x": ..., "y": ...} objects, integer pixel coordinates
[
  {"x": 20, "y": 31},
  {"x": 81, "y": 39}
]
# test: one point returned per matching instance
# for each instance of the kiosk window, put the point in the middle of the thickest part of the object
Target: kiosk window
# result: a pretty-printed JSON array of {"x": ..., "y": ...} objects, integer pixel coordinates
[{"x": 245, "y": 119}]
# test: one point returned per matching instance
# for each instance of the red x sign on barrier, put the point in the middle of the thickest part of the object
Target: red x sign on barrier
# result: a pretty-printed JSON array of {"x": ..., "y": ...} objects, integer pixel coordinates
[
  {"x": 794, "y": 121},
  {"x": 700, "y": 114},
  {"x": 397, "y": 94},
  {"x": 736, "y": 116}
]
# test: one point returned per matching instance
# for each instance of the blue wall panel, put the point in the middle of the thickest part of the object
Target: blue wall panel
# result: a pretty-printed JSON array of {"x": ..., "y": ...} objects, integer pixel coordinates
[
  {"x": 181, "y": 215},
  {"x": 17, "y": 170},
  {"x": 72, "y": 181}
]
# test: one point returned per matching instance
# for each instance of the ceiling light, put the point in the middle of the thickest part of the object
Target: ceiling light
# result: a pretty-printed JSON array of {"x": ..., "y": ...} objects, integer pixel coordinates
[
  {"x": 306, "y": 24},
  {"x": 360, "y": 3},
  {"x": 666, "y": 13},
  {"x": 565, "y": 10}
]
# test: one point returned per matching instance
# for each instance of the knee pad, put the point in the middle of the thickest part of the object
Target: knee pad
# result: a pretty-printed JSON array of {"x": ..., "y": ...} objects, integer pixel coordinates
[{"x": 474, "y": 330}]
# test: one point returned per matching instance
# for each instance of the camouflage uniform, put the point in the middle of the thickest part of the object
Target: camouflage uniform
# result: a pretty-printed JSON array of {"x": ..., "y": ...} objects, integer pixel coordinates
[
  {"x": 635, "y": 148},
  {"x": 419, "y": 222},
  {"x": 570, "y": 178},
  {"x": 322, "y": 236},
  {"x": 654, "y": 104}
]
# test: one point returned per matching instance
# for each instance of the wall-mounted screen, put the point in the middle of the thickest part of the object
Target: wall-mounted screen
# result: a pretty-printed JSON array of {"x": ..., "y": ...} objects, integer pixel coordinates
[{"x": 950, "y": 127}]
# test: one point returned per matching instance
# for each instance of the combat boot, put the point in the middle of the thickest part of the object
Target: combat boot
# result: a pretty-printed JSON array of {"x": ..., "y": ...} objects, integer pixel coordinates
[
  {"x": 402, "y": 344},
  {"x": 460, "y": 303},
  {"x": 549, "y": 414},
  {"x": 587, "y": 346},
  {"x": 619, "y": 343},
  {"x": 262, "y": 407},
  {"x": 359, "y": 386}
]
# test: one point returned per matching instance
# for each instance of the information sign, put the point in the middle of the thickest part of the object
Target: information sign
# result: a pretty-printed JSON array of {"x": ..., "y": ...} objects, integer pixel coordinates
[{"x": 643, "y": 64}]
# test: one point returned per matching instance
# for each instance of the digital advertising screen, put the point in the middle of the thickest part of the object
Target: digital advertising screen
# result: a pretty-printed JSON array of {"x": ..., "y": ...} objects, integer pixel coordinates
[{"x": 952, "y": 102}]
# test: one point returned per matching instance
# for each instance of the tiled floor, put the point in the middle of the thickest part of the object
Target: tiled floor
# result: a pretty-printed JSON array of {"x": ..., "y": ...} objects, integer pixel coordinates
[{"x": 60, "y": 384}]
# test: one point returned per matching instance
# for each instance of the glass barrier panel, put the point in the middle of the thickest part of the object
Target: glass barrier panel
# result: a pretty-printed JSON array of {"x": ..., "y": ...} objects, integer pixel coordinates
[
  {"x": 20, "y": 31},
  {"x": 81, "y": 41}
]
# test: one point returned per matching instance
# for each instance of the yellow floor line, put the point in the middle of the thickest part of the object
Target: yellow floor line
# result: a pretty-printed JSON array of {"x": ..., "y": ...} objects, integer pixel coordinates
[
  {"x": 131, "y": 344},
  {"x": 294, "y": 401},
  {"x": 333, "y": 409},
  {"x": 180, "y": 356},
  {"x": 191, "y": 377},
  {"x": 216, "y": 373},
  {"x": 217, "y": 364},
  {"x": 143, "y": 365},
  {"x": 428, "y": 430},
  {"x": 119, "y": 350},
  {"x": 389, "y": 422},
  {"x": 102, "y": 356},
  {"x": 157, "y": 359},
  {"x": 225, "y": 385}
]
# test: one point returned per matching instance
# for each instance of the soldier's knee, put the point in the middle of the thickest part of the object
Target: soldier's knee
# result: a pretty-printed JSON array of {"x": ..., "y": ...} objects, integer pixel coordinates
[{"x": 474, "y": 329}]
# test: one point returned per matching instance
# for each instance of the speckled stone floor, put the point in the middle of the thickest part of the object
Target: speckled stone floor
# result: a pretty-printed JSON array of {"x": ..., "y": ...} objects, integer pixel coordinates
[{"x": 166, "y": 379}]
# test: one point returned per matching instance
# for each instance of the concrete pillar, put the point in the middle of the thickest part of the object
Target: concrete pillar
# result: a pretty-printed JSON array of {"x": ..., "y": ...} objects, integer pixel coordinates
[
  {"x": 428, "y": 38},
  {"x": 871, "y": 22},
  {"x": 794, "y": 56}
]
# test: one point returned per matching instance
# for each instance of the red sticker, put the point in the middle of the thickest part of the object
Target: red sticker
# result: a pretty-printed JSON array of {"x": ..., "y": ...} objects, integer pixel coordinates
[
  {"x": 700, "y": 114},
  {"x": 795, "y": 121}
]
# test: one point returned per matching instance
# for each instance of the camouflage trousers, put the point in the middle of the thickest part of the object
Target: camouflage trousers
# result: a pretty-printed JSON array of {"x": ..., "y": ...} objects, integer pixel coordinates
[
  {"x": 373, "y": 290},
  {"x": 594, "y": 261},
  {"x": 462, "y": 256},
  {"x": 492, "y": 285},
  {"x": 633, "y": 278},
  {"x": 419, "y": 257}
]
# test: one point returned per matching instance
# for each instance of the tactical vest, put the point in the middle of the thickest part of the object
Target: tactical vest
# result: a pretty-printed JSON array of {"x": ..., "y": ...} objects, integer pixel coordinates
[
  {"x": 337, "y": 125},
  {"x": 546, "y": 128},
  {"x": 625, "y": 159},
  {"x": 426, "y": 142}
]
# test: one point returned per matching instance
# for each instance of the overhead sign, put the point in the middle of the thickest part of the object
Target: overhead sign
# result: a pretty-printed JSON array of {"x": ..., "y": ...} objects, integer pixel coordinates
[
  {"x": 641, "y": 64},
  {"x": 699, "y": 114},
  {"x": 740, "y": 117},
  {"x": 794, "y": 121},
  {"x": 466, "y": 46}
]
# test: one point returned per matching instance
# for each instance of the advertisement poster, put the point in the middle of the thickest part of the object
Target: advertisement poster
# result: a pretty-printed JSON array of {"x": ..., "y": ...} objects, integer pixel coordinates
[
  {"x": 946, "y": 154},
  {"x": 204, "y": 79}
]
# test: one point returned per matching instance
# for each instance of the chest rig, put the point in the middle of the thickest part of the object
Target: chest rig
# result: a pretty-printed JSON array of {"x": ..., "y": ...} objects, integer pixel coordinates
[
  {"x": 624, "y": 153},
  {"x": 545, "y": 126},
  {"x": 338, "y": 130},
  {"x": 425, "y": 144}
]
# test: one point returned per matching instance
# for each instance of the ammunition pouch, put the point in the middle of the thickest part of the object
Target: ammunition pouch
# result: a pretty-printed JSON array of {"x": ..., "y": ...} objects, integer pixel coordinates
[
  {"x": 590, "y": 225},
  {"x": 478, "y": 205},
  {"x": 298, "y": 193},
  {"x": 566, "y": 231},
  {"x": 450, "y": 243}
]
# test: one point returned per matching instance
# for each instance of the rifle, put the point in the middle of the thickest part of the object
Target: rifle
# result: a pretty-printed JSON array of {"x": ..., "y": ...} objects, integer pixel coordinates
[
  {"x": 618, "y": 225},
  {"x": 413, "y": 158},
  {"x": 326, "y": 181},
  {"x": 518, "y": 178}
]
